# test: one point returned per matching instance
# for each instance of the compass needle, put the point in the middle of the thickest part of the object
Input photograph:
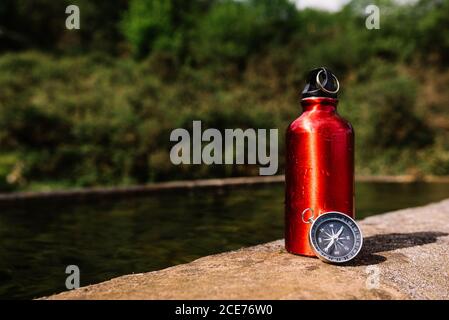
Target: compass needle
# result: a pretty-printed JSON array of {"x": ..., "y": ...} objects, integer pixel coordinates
[{"x": 340, "y": 231}]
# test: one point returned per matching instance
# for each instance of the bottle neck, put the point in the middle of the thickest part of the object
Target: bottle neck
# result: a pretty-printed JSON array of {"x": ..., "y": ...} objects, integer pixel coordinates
[{"x": 319, "y": 103}]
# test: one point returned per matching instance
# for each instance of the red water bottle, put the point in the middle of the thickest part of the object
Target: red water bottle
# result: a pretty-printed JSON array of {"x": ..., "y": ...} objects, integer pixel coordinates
[{"x": 319, "y": 170}]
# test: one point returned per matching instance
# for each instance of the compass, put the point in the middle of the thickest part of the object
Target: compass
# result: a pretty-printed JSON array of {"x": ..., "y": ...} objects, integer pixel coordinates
[{"x": 334, "y": 236}]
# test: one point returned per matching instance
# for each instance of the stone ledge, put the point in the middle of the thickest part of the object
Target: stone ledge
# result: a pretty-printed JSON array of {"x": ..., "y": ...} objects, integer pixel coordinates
[{"x": 410, "y": 247}]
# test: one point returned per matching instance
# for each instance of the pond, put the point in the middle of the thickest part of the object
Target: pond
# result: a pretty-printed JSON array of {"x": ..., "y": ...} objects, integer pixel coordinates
[{"x": 109, "y": 238}]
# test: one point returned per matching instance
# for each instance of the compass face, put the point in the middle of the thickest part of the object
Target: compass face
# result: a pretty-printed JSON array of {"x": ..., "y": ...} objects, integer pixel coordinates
[{"x": 335, "y": 237}]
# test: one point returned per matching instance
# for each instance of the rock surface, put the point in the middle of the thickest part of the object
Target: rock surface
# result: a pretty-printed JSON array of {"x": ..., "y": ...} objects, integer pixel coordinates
[{"x": 407, "y": 249}]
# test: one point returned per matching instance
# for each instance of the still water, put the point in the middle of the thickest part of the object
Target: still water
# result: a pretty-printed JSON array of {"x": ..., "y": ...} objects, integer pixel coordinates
[{"x": 138, "y": 234}]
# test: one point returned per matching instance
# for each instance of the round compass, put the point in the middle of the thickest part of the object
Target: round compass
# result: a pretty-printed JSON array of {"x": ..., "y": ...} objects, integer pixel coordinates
[{"x": 335, "y": 237}]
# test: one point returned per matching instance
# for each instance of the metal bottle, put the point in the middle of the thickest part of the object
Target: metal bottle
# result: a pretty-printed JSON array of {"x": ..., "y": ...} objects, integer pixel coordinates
[{"x": 319, "y": 170}]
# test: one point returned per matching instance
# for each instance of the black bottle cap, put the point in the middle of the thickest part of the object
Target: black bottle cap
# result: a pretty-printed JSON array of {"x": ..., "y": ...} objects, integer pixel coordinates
[{"x": 321, "y": 82}]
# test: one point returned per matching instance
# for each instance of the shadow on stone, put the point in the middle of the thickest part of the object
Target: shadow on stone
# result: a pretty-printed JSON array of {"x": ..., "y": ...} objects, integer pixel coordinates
[{"x": 389, "y": 242}]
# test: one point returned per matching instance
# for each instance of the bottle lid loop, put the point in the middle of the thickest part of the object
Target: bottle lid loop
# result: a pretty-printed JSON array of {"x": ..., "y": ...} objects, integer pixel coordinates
[{"x": 321, "y": 82}]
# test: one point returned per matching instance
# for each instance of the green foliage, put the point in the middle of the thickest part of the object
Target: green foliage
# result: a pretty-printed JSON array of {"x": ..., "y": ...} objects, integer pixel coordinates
[
  {"x": 93, "y": 116},
  {"x": 386, "y": 101},
  {"x": 231, "y": 31},
  {"x": 432, "y": 28},
  {"x": 147, "y": 25}
]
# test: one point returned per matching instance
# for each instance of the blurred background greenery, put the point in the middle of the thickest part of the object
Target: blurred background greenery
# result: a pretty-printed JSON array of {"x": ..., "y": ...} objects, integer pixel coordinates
[{"x": 96, "y": 106}]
